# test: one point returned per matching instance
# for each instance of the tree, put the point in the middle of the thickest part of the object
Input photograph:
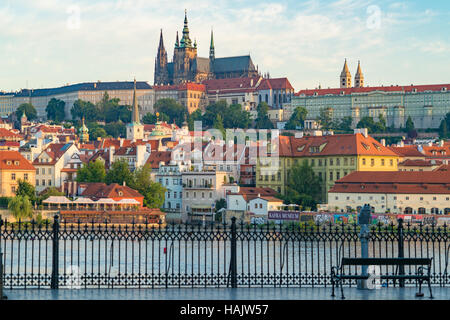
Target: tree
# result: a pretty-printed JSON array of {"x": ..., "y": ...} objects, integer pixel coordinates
[
  {"x": 29, "y": 111},
  {"x": 96, "y": 133},
  {"x": 303, "y": 186},
  {"x": 49, "y": 192},
  {"x": 175, "y": 111},
  {"x": 119, "y": 173},
  {"x": 263, "y": 121},
  {"x": 212, "y": 111},
  {"x": 84, "y": 109},
  {"x": 218, "y": 124},
  {"x": 409, "y": 125},
  {"x": 235, "y": 117},
  {"x": 116, "y": 129},
  {"x": 21, "y": 207},
  {"x": 325, "y": 119},
  {"x": 297, "y": 119},
  {"x": 153, "y": 192},
  {"x": 55, "y": 110},
  {"x": 151, "y": 118},
  {"x": 92, "y": 172},
  {"x": 345, "y": 125},
  {"x": 26, "y": 189},
  {"x": 194, "y": 116},
  {"x": 443, "y": 128}
]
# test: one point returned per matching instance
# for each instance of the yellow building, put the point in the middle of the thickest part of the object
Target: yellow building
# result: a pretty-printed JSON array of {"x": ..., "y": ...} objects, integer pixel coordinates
[
  {"x": 332, "y": 157},
  {"x": 14, "y": 167}
]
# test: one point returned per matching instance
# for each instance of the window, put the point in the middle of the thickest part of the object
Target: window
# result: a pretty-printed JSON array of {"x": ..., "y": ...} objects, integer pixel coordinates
[
  {"x": 391, "y": 162},
  {"x": 382, "y": 162},
  {"x": 338, "y": 175},
  {"x": 338, "y": 162},
  {"x": 434, "y": 198},
  {"x": 37, "y": 171},
  {"x": 49, "y": 182},
  {"x": 363, "y": 162},
  {"x": 13, "y": 176},
  {"x": 372, "y": 162},
  {"x": 13, "y": 189},
  {"x": 37, "y": 182},
  {"x": 43, "y": 182},
  {"x": 168, "y": 195},
  {"x": 187, "y": 195},
  {"x": 331, "y": 175}
]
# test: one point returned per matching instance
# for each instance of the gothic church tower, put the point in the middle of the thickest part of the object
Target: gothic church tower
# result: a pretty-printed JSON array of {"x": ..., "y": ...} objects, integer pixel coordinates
[
  {"x": 359, "y": 77},
  {"x": 161, "y": 68},
  {"x": 346, "y": 77},
  {"x": 184, "y": 55}
]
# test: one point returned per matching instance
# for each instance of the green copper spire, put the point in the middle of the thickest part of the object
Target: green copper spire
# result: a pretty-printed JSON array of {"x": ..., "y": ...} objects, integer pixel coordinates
[{"x": 186, "y": 41}]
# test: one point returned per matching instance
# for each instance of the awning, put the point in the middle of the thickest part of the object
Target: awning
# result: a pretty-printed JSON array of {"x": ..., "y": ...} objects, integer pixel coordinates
[
  {"x": 128, "y": 201},
  {"x": 57, "y": 200},
  {"x": 84, "y": 201},
  {"x": 106, "y": 201},
  {"x": 205, "y": 206}
]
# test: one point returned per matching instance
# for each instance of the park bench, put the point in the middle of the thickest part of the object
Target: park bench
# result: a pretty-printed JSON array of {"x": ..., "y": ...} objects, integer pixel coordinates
[{"x": 338, "y": 275}]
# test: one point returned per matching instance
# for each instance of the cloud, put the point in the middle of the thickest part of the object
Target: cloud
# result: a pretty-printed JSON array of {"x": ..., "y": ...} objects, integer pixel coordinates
[{"x": 306, "y": 41}]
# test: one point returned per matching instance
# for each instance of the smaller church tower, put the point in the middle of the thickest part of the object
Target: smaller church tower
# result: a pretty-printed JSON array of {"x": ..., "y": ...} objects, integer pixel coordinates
[
  {"x": 161, "y": 67},
  {"x": 359, "y": 77},
  {"x": 84, "y": 132},
  {"x": 346, "y": 77},
  {"x": 212, "y": 56},
  {"x": 135, "y": 130}
]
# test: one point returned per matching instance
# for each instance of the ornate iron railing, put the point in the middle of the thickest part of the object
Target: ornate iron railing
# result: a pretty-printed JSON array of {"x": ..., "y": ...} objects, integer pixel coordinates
[{"x": 55, "y": 255}]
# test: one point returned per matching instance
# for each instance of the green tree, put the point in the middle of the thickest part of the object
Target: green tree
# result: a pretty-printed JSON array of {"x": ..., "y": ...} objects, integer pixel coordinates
[
  {"x": 218, "y": 124},
  {"x": 303, "y": 186},
  {"x": 29, "y": 111},
  {"x": 55, "y": 110},
  {"x": 84, "y": 109},
  {"x": 153, "y": 192},
  {"x": 151, "y": 118},
  {"x": 119, "y": 173},
  {"x": 325, "y": 118},
  {"x": 212, "y": 111},
  {"x": 51, "y": 191},
  {"x": 297, "y": 119},
  {"x": 263, "y": 121},
  {"x": 96, "y": 133},
  {"x": 235, "y": 117},
  {"x": 26, "y": 189},
  {"x": 345, "y": 125},
  {"x": 443, "y": 128},
  {"x": 194, "y": 116},
  {"x": 409, "y": 125},
  {"x": 116, "y": 129},
  {"x": 92, "y": 172},
  {"x": 175, "y": 111},
  {"x": 21, "y": 207}
]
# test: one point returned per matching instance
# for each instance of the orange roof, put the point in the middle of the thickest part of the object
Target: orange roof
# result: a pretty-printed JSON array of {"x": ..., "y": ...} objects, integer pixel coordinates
[
  {"x": 102, "y": 190},
  {"x": 406, "y": 182},
  {"x": 181, "y": 87},
  {"x": 419, "y": 163},
  {"x": 5, "y": 133},
  {"x": 275, "y": 84},
  {"x": 13, "y": 160},
  {"x": 407, "y": 151},
  {"x": 231, "y": 85},
  {"x": 159, "y": 156},
  {"x": 340, "y": 144},
  {"x": 349, "y": 91}
]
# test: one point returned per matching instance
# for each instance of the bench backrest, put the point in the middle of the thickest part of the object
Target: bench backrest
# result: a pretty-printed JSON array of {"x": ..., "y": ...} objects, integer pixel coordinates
[{"x": 385, "y": 261}]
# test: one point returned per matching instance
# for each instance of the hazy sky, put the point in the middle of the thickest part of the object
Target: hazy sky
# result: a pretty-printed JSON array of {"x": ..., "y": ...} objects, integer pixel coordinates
[{"x": 48, "y": 43}]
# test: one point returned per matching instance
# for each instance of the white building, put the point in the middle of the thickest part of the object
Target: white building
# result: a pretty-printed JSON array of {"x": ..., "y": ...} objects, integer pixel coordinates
[{"x": 402, "y": 192}]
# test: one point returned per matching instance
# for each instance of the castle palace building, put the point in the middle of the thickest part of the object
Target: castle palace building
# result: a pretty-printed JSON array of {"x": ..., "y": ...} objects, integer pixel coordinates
[{"x": 187, "y": 66}]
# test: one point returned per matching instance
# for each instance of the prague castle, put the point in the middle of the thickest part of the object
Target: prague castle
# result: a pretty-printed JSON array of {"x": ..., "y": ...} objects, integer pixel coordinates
[{"x": 187, "y": 66}]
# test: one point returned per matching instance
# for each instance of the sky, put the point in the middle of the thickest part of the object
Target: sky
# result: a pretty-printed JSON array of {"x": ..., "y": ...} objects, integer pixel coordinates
[{"x": 50, "y": 43}]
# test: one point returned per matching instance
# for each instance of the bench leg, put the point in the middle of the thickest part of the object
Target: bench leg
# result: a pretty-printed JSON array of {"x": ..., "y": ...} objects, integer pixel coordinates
[
  {"x": 332, "y": 284},
  {"x": 342, "y": 290},
  {"x": 429, "y": 288},
  {"x": 420, "y": 293}
]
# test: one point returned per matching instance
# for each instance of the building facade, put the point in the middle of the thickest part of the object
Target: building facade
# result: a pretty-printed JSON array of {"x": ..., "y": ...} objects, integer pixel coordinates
[
  {"x": 14, "y": 167},
  {"x": 393, "y": 192}
]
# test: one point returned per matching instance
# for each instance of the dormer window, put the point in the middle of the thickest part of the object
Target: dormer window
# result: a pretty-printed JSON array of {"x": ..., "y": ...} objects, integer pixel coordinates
[
  {"x": 16, "y": 163},
  {"x": 8, "y": 163}
]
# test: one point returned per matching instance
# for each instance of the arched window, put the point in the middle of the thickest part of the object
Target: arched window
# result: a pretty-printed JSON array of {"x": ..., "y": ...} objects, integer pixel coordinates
[
  {"x": 434, "y": 211},
  {"x": 408, "y": 210},
  {"x": 422, "y": 211}
]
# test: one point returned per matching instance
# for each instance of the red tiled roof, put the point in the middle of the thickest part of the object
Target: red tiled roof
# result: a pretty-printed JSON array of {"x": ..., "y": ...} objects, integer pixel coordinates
[
  {"x": 181, "y": 87},
  {"x": 231, "y": 85},
  {"x": 419, "y": 163},
  {"x": 159, "y": 156},
  {"x": 12, "y": 157},
  {"x": 340, "y": 144},
  {"x": 275, "y": 84},
  {"x": 406, "y": 182},
  {"x": 55, "y": 151},
  {"x": 407, "y": 151},
  {"x": 102, "y": 190},
  {"x": 7, "y": 134},
  {"x": 348, "y": 91}
]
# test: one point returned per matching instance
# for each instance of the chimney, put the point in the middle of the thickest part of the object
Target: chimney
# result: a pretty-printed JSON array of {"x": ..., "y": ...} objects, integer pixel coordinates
[
  {"x": 124, "y": 183},
  {"x": 121, "y": 142},
  {"x": 383, "y": 142},
  {"x": 112, "y": 150},
  {"x": 441, "y": 143}
]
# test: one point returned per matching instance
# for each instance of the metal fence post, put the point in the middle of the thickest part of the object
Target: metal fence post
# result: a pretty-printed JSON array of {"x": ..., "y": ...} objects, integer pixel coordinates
[
  {"x": 2, "y": 297},
  {"x": 55, "y": 254},
  {"x": 233, "y": 268},
  {"x": 401, "y": 252}
]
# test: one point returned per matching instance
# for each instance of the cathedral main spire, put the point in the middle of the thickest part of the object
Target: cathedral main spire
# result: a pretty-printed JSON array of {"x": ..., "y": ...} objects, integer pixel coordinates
[
  {"x": 161, "y": 63},
  {"x": 186, "y": 41}
]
